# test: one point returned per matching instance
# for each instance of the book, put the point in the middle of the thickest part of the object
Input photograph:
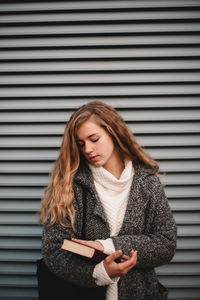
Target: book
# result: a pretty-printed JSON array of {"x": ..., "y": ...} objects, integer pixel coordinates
[{"x": 83, "y": 250}]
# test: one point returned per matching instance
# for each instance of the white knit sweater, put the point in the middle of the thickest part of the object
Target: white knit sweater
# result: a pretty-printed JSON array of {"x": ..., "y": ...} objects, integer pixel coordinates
[{"x": 113, "y": 194}]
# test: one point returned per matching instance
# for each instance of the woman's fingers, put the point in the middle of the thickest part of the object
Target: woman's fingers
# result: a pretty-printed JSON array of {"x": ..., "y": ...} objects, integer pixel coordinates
[
  {"x": 129, "y": 264},
  {"x": 124, "y": 258},
  {"x": 94, "y": 244},
  {"x": 111, "y": 258},
  {"x": 117, "y": 269}
]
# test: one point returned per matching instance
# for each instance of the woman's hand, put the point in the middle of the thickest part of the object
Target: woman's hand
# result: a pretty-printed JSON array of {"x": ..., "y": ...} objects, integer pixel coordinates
[
  {"x": 94, "y": 244},
  {"x": 114, "y": 269}
]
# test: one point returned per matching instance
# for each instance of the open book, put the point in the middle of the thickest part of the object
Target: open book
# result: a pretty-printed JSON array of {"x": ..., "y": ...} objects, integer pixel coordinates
[{"x": 83, "y": 250}]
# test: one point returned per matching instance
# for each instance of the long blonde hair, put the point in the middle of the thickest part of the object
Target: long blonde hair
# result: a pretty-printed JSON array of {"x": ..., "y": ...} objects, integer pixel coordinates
[{"x": 57, "y": 202}]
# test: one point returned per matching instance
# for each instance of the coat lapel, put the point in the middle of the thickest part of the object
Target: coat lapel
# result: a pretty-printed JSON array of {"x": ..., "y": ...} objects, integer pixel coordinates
[
  {"x": 134, "y": 209},
  {"x": 85, "y": 178}
]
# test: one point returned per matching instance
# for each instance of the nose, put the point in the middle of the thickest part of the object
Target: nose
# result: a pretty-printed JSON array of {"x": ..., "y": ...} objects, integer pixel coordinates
[{"x": 88, "y": 148}]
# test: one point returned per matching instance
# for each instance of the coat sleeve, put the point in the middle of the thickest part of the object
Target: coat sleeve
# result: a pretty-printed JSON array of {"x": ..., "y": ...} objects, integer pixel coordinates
[
  {"x": 68, "y": 266},
  {"x": 156, "y": 245}
]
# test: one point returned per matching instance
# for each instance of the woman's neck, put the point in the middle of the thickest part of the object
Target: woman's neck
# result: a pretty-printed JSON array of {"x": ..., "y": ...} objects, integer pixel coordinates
[{"x": 115, "y": 166}]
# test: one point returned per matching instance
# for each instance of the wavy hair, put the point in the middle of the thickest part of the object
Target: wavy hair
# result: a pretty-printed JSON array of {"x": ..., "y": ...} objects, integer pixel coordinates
[{"x": 57, "y": 202}]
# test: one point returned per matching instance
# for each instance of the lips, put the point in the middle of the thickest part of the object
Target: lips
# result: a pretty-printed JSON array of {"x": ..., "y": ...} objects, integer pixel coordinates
[{"x": 92, "y": 158}]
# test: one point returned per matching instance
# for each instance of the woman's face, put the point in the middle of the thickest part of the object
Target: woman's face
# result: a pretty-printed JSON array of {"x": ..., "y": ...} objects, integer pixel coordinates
[{"x": 96, "y": 144}]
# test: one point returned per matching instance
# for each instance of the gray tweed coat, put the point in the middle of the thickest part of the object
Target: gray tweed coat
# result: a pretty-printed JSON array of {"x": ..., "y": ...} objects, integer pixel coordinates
[{"x": 148, "y": 227}]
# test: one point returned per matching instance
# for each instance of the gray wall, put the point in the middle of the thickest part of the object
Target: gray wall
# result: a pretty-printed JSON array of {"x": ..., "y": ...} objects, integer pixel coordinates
[{"x": 142, "y": 57}]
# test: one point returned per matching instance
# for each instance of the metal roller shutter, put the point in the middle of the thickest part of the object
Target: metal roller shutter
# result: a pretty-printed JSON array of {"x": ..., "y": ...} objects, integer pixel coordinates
[{"x": 142, "y": 57}]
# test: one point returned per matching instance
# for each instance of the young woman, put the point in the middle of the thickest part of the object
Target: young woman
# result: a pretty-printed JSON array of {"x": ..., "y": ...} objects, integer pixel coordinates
[{"x": 127, "y": 213}]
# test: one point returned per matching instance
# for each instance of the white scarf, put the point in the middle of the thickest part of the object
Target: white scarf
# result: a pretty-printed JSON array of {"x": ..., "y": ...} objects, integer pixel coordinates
[{"x": 113, "y": 193}]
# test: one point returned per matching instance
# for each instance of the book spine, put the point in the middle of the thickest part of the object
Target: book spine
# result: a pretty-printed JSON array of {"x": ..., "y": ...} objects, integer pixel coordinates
[{"x": 99, "y": 256}]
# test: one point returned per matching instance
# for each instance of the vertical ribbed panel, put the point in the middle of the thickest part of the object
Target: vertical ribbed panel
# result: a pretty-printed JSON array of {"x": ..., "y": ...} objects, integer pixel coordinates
[{"x": 142, "y": 57}]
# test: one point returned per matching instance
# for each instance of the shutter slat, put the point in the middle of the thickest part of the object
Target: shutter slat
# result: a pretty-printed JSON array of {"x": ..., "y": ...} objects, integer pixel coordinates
[
  {"x": 101, "y": 16},
  {"x": 45, "y": 167},
  {"x": 19, "y": 206},
  {"x": 134, "y": 115},
  {"x": 20, "y": 231},
  {"x": 82, "y": 5},
  {"x": 104, "y": 65},
  {"x": 118, "y": 102},
  {"x": 52, "y": 154},
  {"x": 136, "y": 127},
  {"x": 104, "y": 53},
  {"x": 145, "y": 141},
  {"x": 98, "y": 29},
  {"x": 20, "y": 255},
  {"x": 100, "y": 78},
  {"x": 98, "y": 91},
  {"x": 41, "y": 180}
]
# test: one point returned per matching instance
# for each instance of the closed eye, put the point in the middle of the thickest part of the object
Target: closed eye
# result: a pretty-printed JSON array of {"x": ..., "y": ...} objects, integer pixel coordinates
[
  {"x": 82, "y": 144},
  {"x": 94, "y": 141}
]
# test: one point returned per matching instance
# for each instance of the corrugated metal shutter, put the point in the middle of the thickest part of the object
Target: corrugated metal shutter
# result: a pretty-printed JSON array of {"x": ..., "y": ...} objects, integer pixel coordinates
[{"x": 142, "y": 57}]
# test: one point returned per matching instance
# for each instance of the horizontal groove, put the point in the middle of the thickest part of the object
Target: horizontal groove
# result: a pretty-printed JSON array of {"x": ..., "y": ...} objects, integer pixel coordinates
[
  {"x": 35, "y": 210},
  {"x": 29, "y": 269},
  {"x": 20, "y": 255},
  {"x": 99, "y": 16},
  {"x": 182, "y": 218},
  {"x": 34, "y": 235},
  {"x": 182, "y": 205},
  {"x": 44, "y": 168},
  {"x": 170, "y": 195},
  {"x": 97, "y": 66},
  {"x": 42, "y": 155},
  {"x": 26, "y": 273},
  {"x": 49, "y": 142},
  {"x": 32, "y": 285},
  {"x": 37, "y": 180},
  {"x": 138, "y": 128},
  {"x": 59, "y": 103},
  {"x": 87, "y": 5},
  {"x": 23, "y": 260},
  {"x": 179, "y": 179},
  {"x": 33, "y": 205},
  {"x": 19, "y": 286},
  {"x": 188, "y": 231},
  {"x": 179, "y": 269},
  {"x": 35, "y": 231},
  {"x": 97, "y": 91},
  {"x": 100, "y": 53},
  {"x": 19, "y": 247},
  {"x": 148, "y": 40},
  {"x": 172, "y": 29},
  {"x": 187, "y": 256},
  {"x": 107, "y": 78},
  {"x": 21, "y": 244},
  {"x": 169, "y": 31},
  {"x": 183, "y": 287},
  {"x": 96, "y": 9},
  {"x": 21, "y": 231},
  {"x": 148, "y": 115},
  {"x": 83, "y": 48},
  {"x": 187, "y": 84},
  {"x": 59, "y": 30}
]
